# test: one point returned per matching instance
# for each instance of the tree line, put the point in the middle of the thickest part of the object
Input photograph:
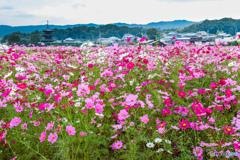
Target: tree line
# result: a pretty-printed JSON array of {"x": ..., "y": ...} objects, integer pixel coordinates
[
  {"x": 226, "y": 25},
  {"x": 84, "y": 33}
]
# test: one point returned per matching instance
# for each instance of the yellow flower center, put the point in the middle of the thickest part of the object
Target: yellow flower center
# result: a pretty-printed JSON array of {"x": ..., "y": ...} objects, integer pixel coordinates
[{"x": 184, "y": 125}]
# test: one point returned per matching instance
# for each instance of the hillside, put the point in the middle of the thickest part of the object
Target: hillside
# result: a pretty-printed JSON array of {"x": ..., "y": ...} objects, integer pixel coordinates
[
  {"x": 227, "y": 25},
  {"x": 5, "y": 30}
]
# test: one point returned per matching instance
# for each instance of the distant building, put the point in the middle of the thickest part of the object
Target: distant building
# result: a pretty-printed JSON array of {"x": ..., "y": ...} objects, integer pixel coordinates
[
  {"x": 197, "y": 40},
  {"x": 110, "y": 40},
  {"x": 47, "y": 34},
  {"x": 223, "y": 35},
  {"x": 68, "y": 40},
  {"x": 124, "y": 38},
  {"x": 186, "y": 39}
]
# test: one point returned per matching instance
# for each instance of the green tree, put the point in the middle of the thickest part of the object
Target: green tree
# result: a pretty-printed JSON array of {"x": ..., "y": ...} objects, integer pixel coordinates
[
  {"x": 35, "y": 38},
  {"x": 152, "y": 33},
  {"x": 24, "y": 41},
  {"x": 13, "y": 38},
  {"x": 140, "y": 35}
]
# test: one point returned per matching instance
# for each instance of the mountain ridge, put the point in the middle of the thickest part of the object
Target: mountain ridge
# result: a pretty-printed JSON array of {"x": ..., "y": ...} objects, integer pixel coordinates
[{"x": 176, "y": 24}]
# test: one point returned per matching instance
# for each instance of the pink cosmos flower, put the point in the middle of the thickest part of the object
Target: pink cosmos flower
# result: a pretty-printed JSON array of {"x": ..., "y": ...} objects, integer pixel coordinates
[
  {"x": 128, "y": 39},
  {"x": 52, "y": 137},
  {"x": 36, "y": 123},
  {"x": 123, "y": 114},
  {"x": 19, "y": 108},
  {"x": 117, "y": 145},
  {"x": 24, "y": 126},
  {"x": 131, "y": 99},
  {"x": 114, "y": 136},
  {"x": 99, "y": 108},
  {"x": 50, "y": 126},
  {"x": 198, "y": 151},
  {"x": 30, "y": 114},
  {"x": 203, "y": 127},
  {"x": 144, "y": 119},
  {"x": 83, "y": 133},
  {"x": 43, "y": 136},
  {"x": 70, "y": 130},
  {"x": 130, "y": 65},
  {"x": 161, "y": 130},
  {"x": 184, "y": 125},
  {"x": 15, "y": 121},
  {"x": 175, "y": 127},
  {"x": 89, "y": 105}
]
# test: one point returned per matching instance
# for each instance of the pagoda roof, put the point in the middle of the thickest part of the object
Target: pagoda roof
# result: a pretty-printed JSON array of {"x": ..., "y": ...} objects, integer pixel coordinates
[{"x": 48, "y": 30}]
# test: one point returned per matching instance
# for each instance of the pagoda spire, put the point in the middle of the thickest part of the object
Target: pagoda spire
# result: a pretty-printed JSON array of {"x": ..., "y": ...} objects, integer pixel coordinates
[{"x": 47, "y": 23}]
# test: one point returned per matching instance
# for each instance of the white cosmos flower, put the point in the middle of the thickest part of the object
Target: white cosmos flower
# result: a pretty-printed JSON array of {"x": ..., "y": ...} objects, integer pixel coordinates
[
  {"x": 150, "y": 145},
  {"x": 77, "y": 104},
  {"x": 169, "y": 151},
  {"x": 167, "y": 141},
  {"x": 158, "y": 140},
  {"x": 65, "y": 120},
  {"x": 71, "y": 73},
  {"x": 19, "y": 69},
  {"x": 160, "y": 150},
  {"x": 7, "y": 75},
  {"x": 231, "y": 64}
]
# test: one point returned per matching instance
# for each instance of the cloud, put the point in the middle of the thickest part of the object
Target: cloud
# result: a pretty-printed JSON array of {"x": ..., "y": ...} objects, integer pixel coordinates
[
  {"x": 170, "y": 1},
  {"x": 76, "y": 6},
  {"x": 6, "y": 7}
]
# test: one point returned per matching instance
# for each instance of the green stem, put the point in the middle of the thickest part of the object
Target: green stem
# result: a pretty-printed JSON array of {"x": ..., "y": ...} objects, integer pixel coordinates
[{"x": 32, "y": 149}]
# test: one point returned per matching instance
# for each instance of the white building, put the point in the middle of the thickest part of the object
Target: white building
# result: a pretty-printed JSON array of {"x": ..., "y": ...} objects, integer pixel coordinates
[
  {"x": 68, "y": 40},
  {"x": 124, "y": 38},
  {"x": 110, "y": 40}
]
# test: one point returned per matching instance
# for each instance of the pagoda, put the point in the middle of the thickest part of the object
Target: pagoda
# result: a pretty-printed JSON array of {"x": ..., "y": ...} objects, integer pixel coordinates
[{"x": 47, "y": 34}]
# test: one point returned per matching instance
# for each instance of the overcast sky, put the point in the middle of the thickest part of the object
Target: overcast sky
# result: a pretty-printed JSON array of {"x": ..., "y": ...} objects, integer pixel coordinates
[{"x": 62, "y": 12}]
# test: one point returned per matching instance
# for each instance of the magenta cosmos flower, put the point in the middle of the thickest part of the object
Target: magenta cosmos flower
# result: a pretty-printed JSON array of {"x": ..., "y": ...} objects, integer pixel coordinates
[
  {"x": 202, "y": 91},
  {"x": 130, "y": 65},
  {"x": 43, "y": 136},
  {"x": 22, "y": 86},
  {"x": 228, "y": 130},
  {"x": 184, "y": 125},
  {"x": 182, "y": 94},
  {"x": 236, "y": 146},
  {"x": 70, "y": 130},
  {"x": 128, "y": 39},
  {"x": 52, "y": 137},
  {"x": 99, "y": 108},
  {"x": 166, "y": 111}
]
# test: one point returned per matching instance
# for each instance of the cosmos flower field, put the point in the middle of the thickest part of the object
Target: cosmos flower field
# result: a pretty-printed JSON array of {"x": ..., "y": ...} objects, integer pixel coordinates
[{"x": 176, "y": 102}]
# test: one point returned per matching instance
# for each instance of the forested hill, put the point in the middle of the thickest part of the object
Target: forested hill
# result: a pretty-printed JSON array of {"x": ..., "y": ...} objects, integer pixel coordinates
[
  {"x": 227, "y": 25},
  {"x": 177, "y": 24}
]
